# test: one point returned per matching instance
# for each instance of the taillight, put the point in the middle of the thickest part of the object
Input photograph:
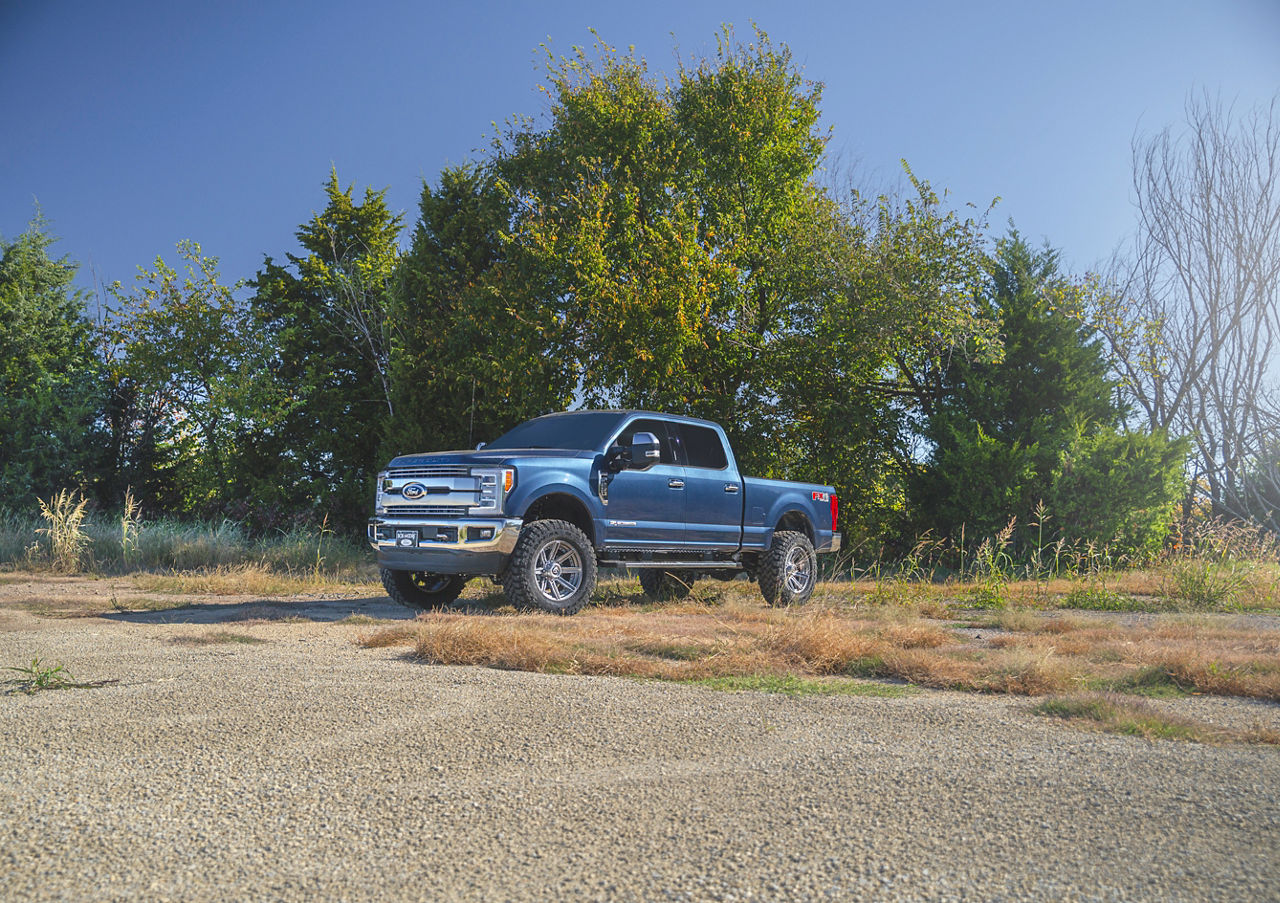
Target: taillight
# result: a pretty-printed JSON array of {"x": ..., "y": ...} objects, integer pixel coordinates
[{"x": 835, "y": 512}]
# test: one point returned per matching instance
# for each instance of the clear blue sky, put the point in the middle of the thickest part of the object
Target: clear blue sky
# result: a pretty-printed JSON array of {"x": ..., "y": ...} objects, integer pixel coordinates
[{"x": 137, "y": 124}]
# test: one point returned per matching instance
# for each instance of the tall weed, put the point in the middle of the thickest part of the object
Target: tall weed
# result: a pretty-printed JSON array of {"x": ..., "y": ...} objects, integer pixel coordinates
[{"x": 64, "y": 513}]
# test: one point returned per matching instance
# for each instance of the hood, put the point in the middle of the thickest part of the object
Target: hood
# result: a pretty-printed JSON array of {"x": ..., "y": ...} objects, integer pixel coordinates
[{"x": 485, "y": 456}]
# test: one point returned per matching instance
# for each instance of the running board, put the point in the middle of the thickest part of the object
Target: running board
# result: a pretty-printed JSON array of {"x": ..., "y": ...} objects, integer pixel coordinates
[{"x": 672, "y": 565}]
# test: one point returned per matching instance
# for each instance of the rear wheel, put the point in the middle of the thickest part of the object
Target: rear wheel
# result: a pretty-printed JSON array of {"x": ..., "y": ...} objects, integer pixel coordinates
[
  {"x": 666, "y": 585},
  {"x": 552, "y": 568},
  {"x": 789, "y": 570},
  {"x": 422, "y": 590}
]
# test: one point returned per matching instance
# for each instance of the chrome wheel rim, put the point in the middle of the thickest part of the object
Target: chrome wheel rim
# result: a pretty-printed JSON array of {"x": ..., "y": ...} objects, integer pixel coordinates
[
  {"x": 429, "y": 583},
  {"x": 798, "y": 572},
  {"x": 557, "y": 568}
]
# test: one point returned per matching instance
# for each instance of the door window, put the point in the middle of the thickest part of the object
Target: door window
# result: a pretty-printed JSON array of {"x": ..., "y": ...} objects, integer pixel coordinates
[
  {"x": 702, "y": 447},
  {"x": 659, "y": 429}
]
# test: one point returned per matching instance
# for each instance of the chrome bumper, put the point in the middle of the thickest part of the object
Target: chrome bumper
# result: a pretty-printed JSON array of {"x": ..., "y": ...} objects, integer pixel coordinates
[
  {"x": 465, "y": 546},
  {"x": 463, "y": 535}
]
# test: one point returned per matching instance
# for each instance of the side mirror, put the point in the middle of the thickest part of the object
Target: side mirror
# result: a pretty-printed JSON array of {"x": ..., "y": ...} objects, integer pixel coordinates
[{"x": 645, "y": 451}]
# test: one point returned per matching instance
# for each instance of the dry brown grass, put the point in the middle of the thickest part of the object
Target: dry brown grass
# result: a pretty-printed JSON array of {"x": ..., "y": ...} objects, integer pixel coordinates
[
  {"x": 1024, "y": 652},
  {"x": 246, "y": 580},
  {"x": 215, "y": 637}
]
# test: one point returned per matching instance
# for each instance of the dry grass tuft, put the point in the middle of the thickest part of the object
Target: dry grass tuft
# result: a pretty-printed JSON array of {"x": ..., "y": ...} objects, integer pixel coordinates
[
  {"x": 1035, "y": 654},
  {"x": 216, "y": 637},
  {"x": 392, "y": 636},
  {"x": 455, "y": 640},
  {"x": 245, "y": 580},
  {"x": 821, "y": 643},
  {"x": 1243, "y": 676}
]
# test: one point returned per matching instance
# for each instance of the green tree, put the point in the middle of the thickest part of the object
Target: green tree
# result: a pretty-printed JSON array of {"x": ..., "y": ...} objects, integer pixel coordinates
[
  {"x": 1030, "y": 426},
  {"x": 190, "y": 380},
  {"x": 1116, "y": 486},
  {"x": 50, "y": 376},
  {"x": 675, "y": 235},
  {"x": 472, "y": 353},
  {"x": 325, "y": 312}
]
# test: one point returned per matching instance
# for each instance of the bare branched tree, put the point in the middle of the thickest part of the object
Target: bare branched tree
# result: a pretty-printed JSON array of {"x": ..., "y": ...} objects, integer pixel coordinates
[{"x": 1195, "y": 319}]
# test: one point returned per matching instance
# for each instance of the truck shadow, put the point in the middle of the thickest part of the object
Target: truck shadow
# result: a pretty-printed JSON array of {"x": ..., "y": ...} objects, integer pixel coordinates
[{"x": 318, "y": 610}]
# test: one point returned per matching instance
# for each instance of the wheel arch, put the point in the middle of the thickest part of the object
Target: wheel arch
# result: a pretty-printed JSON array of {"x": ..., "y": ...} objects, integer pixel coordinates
[
  {"x": 796, "y": 521},
  {"x": 559, "y": 505}
]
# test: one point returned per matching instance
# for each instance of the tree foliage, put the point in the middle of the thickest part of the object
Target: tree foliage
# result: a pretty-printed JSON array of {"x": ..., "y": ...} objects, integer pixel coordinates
[
  {"x": 474, "y": 350},
  {"x": 672, "y": 244},
  {"x": 326, "y": 313},
  {"x": 49, "y": 372},
  {"x": 677, "y": 235},
  {"x": 1039, "y": 424},
  {"x": 189, "y": 383}
]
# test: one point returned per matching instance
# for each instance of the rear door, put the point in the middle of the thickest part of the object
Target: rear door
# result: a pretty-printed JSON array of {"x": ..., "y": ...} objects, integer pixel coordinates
[
  {"x": 713, "y": 488},
  {"x": 646, "y": 507}
]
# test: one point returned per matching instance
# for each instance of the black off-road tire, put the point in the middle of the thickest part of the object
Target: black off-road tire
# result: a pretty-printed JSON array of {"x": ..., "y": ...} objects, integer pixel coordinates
[
  {"x": 553, "y": 568},
  {"x": 422, "y": 591},
  {"x": 788, "y": 572},
  {"x": 665, "y": 586}
]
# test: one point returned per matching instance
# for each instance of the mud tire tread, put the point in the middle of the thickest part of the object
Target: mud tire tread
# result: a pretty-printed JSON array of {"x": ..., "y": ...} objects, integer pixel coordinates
[
  {"x": 400, "y": 587},
  {"x": 519, "y": 584},
  {"x": 772, "y": 569}
]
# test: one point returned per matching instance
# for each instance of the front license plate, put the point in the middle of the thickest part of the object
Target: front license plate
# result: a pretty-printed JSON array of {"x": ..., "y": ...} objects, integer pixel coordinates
[{"x": 407, "y": 539}]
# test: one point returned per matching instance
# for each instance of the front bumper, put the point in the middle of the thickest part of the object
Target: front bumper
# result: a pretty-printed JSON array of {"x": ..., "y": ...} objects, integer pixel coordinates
[{"x": 474, "y": 546}]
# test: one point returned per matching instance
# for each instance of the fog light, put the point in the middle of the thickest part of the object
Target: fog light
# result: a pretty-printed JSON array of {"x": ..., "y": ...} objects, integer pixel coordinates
[{"x": 486, "y": 533}]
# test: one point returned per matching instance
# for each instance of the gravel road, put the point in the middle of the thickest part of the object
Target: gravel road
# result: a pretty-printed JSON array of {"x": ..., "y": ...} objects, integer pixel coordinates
[{"x": 307, "y": 768}]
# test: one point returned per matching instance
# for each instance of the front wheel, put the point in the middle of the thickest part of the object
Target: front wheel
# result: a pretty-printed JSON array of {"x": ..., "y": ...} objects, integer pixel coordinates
[
  {"x": 789, "y": 570},
  {"x": 553, "y": 567},
  {"x": 422, "y": 590}
]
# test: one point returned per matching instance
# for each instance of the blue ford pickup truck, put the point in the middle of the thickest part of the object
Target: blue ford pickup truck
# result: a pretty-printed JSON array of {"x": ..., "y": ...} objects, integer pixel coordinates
[{"x": 545, "y": 505}]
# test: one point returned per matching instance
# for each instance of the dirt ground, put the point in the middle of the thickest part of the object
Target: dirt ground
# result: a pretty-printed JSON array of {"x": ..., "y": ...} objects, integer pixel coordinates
[{"x": 246, "y": 747}]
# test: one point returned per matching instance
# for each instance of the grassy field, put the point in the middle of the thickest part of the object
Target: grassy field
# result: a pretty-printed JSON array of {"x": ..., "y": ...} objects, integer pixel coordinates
[
  {"x": 67, "y": 542},
  {"x": 1087, "y": 634},
  {"x": 851, "y": 632}
]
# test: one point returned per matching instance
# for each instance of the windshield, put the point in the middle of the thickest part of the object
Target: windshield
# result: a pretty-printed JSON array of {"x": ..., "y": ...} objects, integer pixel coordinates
[{"x": 585, "y": 431}]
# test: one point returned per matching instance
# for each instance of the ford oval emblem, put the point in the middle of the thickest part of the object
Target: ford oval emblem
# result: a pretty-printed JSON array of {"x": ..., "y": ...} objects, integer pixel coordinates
[{"x": 413, "y": 491}]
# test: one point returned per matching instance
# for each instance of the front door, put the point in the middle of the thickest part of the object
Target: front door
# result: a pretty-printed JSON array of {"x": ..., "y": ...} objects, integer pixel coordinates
[{"x": 646, "y": 507}]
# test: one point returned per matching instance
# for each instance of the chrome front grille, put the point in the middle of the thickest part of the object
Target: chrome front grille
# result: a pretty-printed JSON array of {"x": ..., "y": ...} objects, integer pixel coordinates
[
  {"x": 431, "y": 470},
  {"x": 426, "y": 510}
]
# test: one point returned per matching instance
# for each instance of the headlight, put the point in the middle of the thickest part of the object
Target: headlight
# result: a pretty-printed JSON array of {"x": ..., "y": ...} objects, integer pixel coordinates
[
  {"x": 493, "y": 486},
  {"x": 378, "y": 506}
]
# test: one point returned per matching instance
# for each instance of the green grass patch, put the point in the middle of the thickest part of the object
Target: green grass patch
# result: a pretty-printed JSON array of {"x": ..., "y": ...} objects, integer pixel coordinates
[
  {"x": 39, "y": 676},
  {"x": 790, "y": 685},
  {"x": 1100, "y": 598}
]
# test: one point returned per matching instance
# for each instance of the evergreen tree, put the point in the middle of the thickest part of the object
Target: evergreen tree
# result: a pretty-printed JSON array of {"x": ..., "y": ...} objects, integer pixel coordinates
[
  {"x": 50, "y": 376},
  {"x": 472, "y": 354},
  {"x": 327, "y": 313},
  {"x": 1008, "y": 434}
]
